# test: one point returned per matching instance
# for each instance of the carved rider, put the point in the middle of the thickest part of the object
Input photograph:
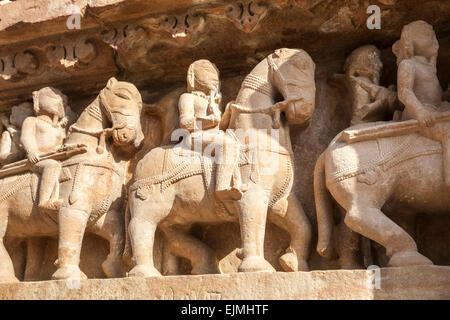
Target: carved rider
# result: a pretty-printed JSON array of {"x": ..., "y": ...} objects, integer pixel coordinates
[
  {"x": 370, "y": 101},
  {"x": 200, "y": 115},
  {"x": 418, "y": 85},
  {"x": 44, "y": 133},
  {"x": 10, "y": 147}
]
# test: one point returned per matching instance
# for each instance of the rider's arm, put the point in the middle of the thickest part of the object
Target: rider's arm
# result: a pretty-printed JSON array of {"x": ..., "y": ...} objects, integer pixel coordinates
[
  {"x": 226, "y": 117},
  {"x": 406, "y": 95},
  {"x": 186, "y": 110},
  {"x": 28, "y": 139}
]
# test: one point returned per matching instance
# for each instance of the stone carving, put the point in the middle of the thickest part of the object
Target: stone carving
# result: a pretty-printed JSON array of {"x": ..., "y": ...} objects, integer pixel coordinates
[
  {"x": 41, "y": 134},
  {"x": 10, "y": 147},
  {"x": 124, "y": 37},
  {"x": 397, "y": 166},
  {"x": 18, "y": 66},
  {"x": 91, "y": 179},
  {"x": 246, "y": 14},
  {"x": 181, "y": 27},
  {"x": 266, "y": 168},
  {"x": 370, "y": 101},
  {"x": 72, "y": 53}
]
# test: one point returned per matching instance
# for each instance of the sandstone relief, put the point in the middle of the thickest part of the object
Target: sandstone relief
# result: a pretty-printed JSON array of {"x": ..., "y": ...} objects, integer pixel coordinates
[{"x": 224, "y": 137}]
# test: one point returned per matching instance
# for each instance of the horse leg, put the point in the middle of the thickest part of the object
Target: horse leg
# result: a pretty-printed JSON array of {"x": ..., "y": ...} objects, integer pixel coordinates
[
  {"x": 253, "y": 209},
  {"x": 145, "y": 216},
  {"x": 369, "y": 221},
  {"x": 202, "y": 257},
  {"x": 72, "y": 225},
  {"x": 297, "y": 225},
  {"x": 111, "y": 227},
  {"x": 6, "y": 265},
  {"x": 348, "y": 247}
]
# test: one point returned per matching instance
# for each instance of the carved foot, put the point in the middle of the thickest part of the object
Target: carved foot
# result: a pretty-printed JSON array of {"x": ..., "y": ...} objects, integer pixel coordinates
[
  {"x": 408, "y": 258},
  {"x": 113, "y": 268},
  {"x": 255, "y": 264},
  {"x": 144, "y": 271},
  {"x": 290, "y": 263},
  {"x": 69, "y": 272}
]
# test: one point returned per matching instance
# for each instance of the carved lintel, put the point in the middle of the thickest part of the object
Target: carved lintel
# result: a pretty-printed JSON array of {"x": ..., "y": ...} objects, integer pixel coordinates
[
  {"x": 18, "y": 66},
  {"x": 246, "y": 14},
  {"x": 181, "y": 27}
]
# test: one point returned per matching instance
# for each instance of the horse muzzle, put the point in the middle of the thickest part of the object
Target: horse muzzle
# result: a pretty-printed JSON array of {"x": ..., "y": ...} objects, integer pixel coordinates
[
  {"x": 124, "y": 136},
  {"x": 299, "y": 112}
]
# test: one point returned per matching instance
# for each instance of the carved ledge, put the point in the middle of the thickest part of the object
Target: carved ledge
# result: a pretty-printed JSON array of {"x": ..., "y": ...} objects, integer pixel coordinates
[{"x": 427, "y": 282}]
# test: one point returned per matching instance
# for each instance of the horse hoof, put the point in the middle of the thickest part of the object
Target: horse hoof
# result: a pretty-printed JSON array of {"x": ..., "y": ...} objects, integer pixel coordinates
[
  {"x": 113, "y": 268},
  {"x": 255, "y": 264},
  {"x": 290, "y": 263},
  {"x": 408, "y": 258},
  {"x": 69, "y": 272},
  {"x": 144, "y": 271}
]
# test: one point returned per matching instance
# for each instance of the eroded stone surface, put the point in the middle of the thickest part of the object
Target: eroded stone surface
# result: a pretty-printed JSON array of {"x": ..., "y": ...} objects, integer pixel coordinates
[{"x": 396, "y": 283}]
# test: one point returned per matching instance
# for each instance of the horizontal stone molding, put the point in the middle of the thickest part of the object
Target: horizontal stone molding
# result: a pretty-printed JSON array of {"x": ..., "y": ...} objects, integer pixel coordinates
[{"x": 424, "y": 282}]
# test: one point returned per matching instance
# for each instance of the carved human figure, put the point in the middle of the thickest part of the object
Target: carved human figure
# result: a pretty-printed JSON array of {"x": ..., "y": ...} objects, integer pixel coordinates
[
  {"x": 370, "y": 101},
  {"x": 200, "y": 115},
  {"x": 418, "y": 85},
  {"x": 91, "y": 184},
  {"x": 378, "y": 172},
  {"x": 10, "y": 146},
  {"x": 170, "y": 193},
  {"x": 44, "y": 133}
]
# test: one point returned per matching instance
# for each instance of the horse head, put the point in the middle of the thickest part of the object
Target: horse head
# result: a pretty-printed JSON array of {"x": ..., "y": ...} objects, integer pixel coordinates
[
  {"x": 121, "y": 102},
  {"x": 293, "y": 75}
]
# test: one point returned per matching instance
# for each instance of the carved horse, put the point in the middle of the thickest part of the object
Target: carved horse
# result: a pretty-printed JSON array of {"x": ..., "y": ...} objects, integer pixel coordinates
[
  {"x": 173, "y": 193},
  {"x": 376, "y": 178},
  {"x": 91, "y": 187}
]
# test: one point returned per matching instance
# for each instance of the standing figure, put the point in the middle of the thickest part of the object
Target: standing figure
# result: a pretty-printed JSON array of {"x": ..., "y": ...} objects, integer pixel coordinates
[
  {"x": 370, "y": 101},
  {"x": 10, "y": 147},
  {"x": 418, "y": 85},
  {"x": 200, "y": 115},
  {"x": 44, "y": 133}
]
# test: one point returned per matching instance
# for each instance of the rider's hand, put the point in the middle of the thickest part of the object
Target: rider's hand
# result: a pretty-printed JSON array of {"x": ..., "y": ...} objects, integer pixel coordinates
[
  {"x": 425, "y": 118},
  {"x": 33, "y": 157}
]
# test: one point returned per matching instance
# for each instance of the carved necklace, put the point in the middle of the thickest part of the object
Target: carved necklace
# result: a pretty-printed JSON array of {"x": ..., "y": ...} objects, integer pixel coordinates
[{"x": 200, "y": 94}]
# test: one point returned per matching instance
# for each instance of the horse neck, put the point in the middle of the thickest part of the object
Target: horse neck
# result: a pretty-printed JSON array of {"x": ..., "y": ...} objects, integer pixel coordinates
[
  {"x": 250, "y": 98},
  {"x": 91, "y": 120}
]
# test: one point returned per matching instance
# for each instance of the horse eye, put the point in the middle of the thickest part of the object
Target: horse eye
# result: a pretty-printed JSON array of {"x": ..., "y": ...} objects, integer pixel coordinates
[{"x": 121, "y": 95}]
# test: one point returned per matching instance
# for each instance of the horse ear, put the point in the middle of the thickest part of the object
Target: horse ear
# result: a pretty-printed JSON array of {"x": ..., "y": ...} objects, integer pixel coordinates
[
  {"x": 36, "y": 102},
  {"x": 111, "y": 82}
]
